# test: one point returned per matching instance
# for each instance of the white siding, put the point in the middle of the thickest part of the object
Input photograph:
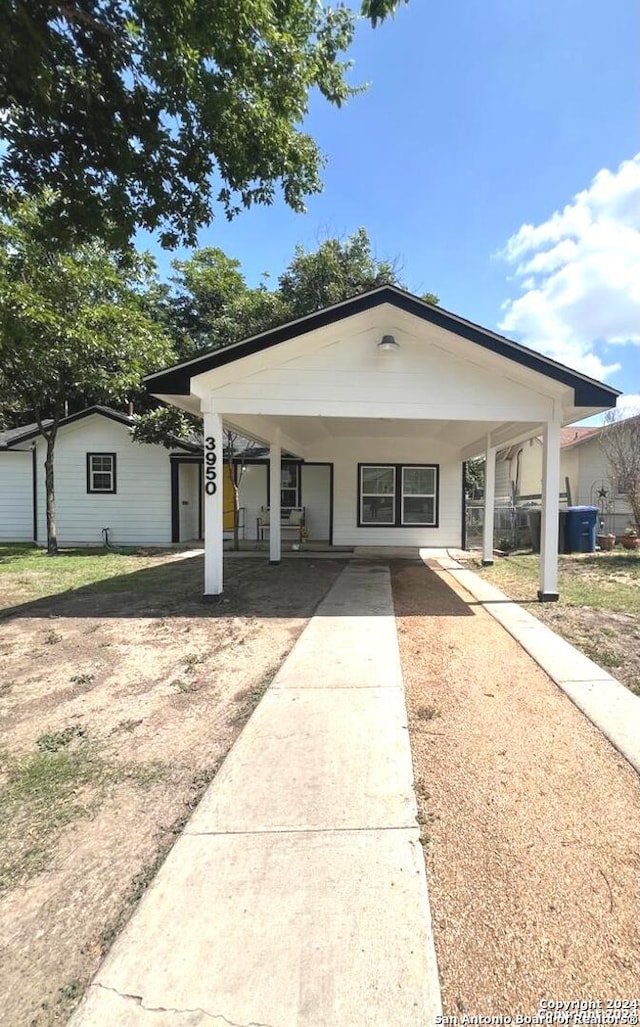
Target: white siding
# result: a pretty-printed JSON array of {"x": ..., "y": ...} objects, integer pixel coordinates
[
  {"x": 139, "y": 513},
  {"x": 531, "y": 468},
  {"x": 569, "y": 468},
  {"x": 315, "y": 487},
  {"x": 347, "y": 453},
  {"x": 350, "y": 377},
  {"x": 593, "y": 471},
  {"x": 16, "y": 496},
  {"x": 253, "y": 495},
  {"x": 503, "y": 479}
]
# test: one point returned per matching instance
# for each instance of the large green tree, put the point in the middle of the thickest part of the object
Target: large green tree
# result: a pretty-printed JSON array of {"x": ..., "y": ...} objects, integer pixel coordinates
[
  {"x": 74, "y": 329},
  {"x": 210, "y": 304},
  {"x": 155, "y": 113}
]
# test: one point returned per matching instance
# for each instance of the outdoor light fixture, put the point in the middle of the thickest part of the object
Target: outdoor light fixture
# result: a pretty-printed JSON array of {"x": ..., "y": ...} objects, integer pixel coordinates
[{"x": 388, "y": 344}]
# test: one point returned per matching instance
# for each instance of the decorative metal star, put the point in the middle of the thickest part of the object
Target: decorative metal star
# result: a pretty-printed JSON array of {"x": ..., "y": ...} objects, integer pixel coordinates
[{"x": 603, "y": 493}]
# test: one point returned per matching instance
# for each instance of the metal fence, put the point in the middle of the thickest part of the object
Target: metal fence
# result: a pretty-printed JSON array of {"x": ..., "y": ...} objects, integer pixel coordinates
[{"x": 510, "y": 526}]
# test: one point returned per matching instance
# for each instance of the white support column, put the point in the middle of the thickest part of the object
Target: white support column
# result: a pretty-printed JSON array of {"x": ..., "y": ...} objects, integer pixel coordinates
[
  {"x": 489, "y": 503},
  {"x": 548, "y": 591},
  {"x": 275, "y": 474},
  {"x": 213, "y": 504}
]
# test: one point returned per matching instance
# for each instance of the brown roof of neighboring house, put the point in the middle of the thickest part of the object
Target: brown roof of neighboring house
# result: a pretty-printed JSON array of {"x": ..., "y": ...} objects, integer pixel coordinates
[{"x": 569, "y": 436}]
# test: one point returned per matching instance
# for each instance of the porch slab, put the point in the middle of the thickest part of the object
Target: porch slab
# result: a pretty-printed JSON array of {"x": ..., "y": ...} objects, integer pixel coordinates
[{"x": 611, "y": 707}]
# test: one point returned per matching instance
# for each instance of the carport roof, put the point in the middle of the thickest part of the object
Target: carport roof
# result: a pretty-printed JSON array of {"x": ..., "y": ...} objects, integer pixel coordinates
[{"x": 176, "y": 381}]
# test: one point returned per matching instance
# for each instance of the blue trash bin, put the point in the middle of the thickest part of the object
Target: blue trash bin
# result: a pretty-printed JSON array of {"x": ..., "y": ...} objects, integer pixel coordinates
[{"x": 580, "y": 529}]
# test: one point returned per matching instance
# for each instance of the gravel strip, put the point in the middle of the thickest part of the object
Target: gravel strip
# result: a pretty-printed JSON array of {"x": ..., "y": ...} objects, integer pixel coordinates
[{"x": 531, "y": 820}]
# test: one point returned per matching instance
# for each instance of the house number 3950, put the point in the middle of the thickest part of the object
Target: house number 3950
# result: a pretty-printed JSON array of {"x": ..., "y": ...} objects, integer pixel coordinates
[{"x": 210, "y": 459}]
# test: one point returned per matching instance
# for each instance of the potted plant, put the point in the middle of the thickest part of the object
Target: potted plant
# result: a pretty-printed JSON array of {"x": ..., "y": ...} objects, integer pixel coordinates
[
  {"x": 606, "y": 542},
  {"x": 629, "y": 538}
]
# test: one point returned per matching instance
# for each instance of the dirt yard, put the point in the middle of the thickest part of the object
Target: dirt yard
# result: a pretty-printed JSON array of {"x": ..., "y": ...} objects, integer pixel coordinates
[
  {"x": 119, "y": 699},
  {"x": 530, "y": 819}
]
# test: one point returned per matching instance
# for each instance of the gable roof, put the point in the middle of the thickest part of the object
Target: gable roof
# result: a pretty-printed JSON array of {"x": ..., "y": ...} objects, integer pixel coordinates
[
  {"x": 586, "y": 434},
  {"x": 176, "y": 380},
  {"x": 32, "y": 431},
  {"x": 14, "y": 435}
]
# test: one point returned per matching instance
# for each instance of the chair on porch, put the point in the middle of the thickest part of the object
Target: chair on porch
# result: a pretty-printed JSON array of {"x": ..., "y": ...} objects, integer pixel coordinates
[{"x": 291, "y": 519}]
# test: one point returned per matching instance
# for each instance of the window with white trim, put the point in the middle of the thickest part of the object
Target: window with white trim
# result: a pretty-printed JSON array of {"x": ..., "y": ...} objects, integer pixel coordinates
[
  {"x": 377, "y": 494},
  {"x": 290, "y": 486},
  {"x": 101, "y": 472},
  {"x": 398, "y": 495}
]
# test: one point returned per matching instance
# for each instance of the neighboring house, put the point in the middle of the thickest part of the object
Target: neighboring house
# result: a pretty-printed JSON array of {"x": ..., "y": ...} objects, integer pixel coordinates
[
  {"x": 142, "y": 494},
  {"x": 391, "y": 395},
  {"x": 586, "y": 477}
]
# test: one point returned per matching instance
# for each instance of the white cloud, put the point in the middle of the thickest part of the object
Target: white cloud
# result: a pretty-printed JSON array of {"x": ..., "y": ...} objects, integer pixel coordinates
[
  {"x": 628, "y": 405},
  {"x": 579, "y": 273}
]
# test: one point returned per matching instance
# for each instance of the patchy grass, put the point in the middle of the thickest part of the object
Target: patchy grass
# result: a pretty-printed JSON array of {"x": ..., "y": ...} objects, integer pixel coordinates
[
  {"x": 54, "y": 741},
  {"x": 249, "y": 699},
  {"x": 84, "y": 680},
  {"x": 32, "y": 574},
  {"x": 602, "y": 581},
  {"x": 66, "y": 999},
  {"x": 599, "y": 606},
  {"x": 46, "y": 790},
  {"x": 426, "y": 712}
]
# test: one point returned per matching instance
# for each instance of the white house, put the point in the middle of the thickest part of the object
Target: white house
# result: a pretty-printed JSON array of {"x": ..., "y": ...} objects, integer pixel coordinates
[
  {"x": 104, "y": 481},
  {"x": 393, "y": 395},
  {"x": 585, "y": 477}
]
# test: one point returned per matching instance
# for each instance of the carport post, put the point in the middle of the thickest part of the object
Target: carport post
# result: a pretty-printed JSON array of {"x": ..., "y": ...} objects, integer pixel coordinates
[
  {"x": 489, "y": 503},
  {"x": 548, "y": 591},
  {"x": 213, "y": 504},
  {"x": 275, "y": 475}
]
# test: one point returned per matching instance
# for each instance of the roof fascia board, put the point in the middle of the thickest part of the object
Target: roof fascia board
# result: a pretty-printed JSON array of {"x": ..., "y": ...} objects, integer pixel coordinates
[
  {"x": 112, "y": 415},
  {"x": 176, "y": 381}
]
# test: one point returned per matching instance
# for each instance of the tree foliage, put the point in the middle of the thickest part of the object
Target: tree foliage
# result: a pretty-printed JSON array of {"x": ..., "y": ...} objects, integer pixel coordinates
[
  {"x": 334, "y": 272},
  {"x": 620, "y": 440},
  {"x": 474, "y": 477},
  {"x": 155, "y": 113},
  {"x": 73, "y": 327},
  {"x": 210, "y": 304}
]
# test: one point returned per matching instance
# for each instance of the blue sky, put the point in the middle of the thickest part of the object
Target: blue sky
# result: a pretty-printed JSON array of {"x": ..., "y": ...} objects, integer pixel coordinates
[{"x": 482, "y": 118}]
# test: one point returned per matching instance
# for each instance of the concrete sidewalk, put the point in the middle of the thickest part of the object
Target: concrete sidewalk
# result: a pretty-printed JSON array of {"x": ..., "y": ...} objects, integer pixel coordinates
[{"x": 297, "y": 895}]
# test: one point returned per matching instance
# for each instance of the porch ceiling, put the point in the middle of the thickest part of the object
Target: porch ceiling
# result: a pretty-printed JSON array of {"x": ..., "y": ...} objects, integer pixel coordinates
[{"x": 299, "y": 434}]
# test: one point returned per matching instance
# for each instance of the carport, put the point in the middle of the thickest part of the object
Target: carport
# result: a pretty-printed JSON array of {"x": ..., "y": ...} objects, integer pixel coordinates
[{"x": 395, "y": 394}]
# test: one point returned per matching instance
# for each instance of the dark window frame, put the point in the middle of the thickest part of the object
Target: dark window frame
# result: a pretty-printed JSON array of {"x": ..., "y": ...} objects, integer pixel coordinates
[
  {"x": 397, "y": 522},
  {"x": 90, "y": 472}
]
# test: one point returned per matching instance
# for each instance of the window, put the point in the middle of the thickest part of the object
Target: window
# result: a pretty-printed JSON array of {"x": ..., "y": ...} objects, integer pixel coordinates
[
  {"x": 418, "y": 495},
  {"x": 624, "y": 484},
  {"x": 101, "y": 472},
  {"x": 377, "y": 494},
  {"x": 290, "y": 486},
  {"x": 398, "y": 495}
]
